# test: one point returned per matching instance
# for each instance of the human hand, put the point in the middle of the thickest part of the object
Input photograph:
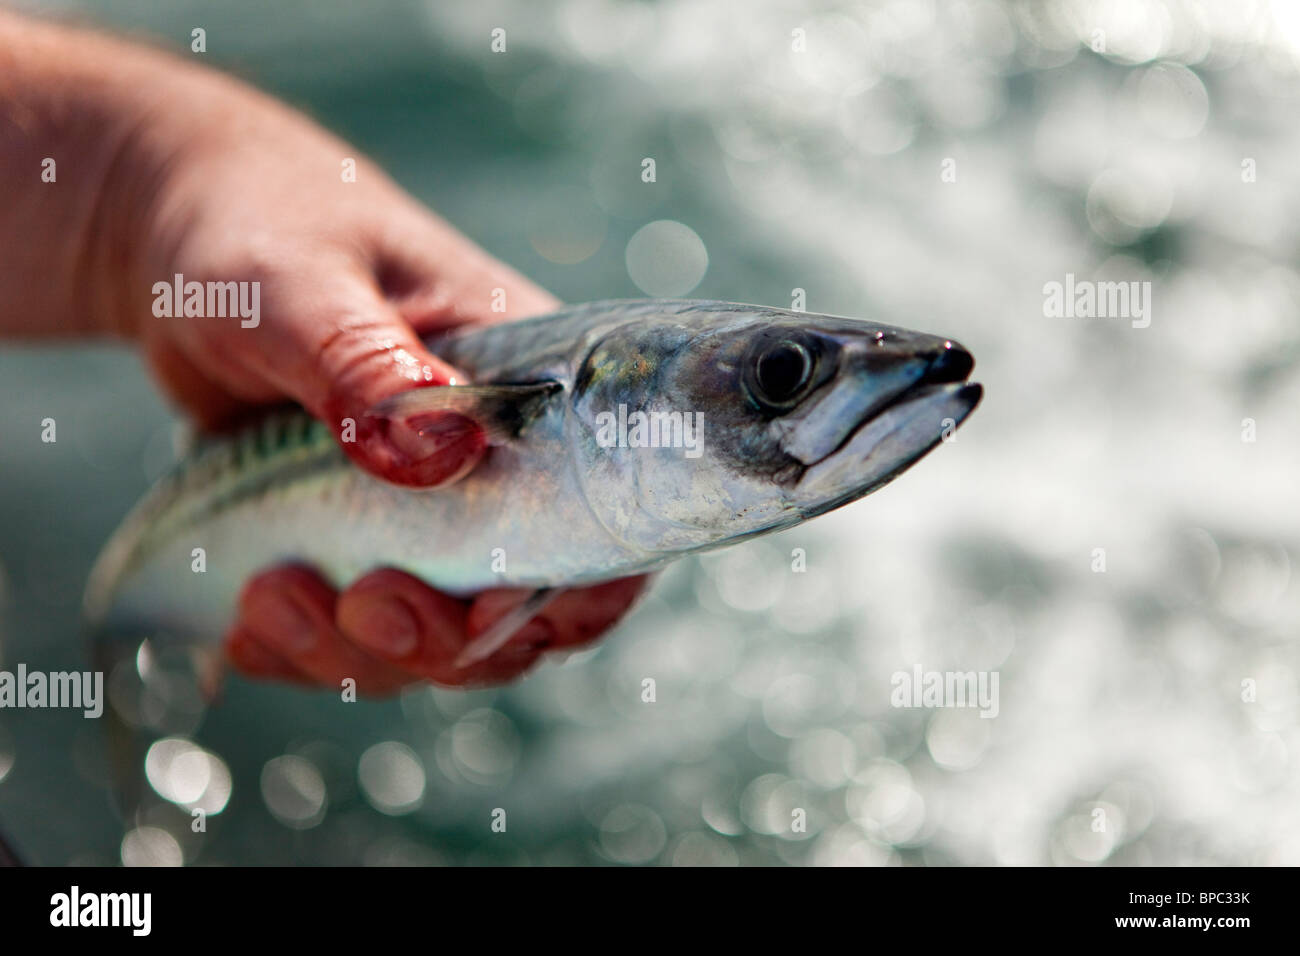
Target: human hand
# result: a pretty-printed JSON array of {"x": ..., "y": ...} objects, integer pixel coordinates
[
  {"x": 389, "y": 629},
  {"x": 351, "y": 275}
]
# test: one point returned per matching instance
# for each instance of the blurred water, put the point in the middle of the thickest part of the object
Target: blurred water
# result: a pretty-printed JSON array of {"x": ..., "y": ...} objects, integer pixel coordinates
[{"x": 820, "y": 170}]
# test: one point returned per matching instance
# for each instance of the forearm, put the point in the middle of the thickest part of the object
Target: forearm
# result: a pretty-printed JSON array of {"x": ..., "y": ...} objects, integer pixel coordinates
[{"x": 91, "y": 130}]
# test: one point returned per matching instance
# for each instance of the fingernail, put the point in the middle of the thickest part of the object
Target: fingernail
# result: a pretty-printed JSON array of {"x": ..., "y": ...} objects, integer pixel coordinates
[
  {"x": 282, "y": 623},
  {"x": 439, "y": 449},
  {"x": 419, "y": 451},
  {"x": 424, "y": 436},
  {"x": 430, "y": 450},
  {"x": 387, "y": 626}
]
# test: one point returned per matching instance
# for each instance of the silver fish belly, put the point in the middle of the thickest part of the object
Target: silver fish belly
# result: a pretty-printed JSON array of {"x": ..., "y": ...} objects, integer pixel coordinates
[{"x": 797, "y": 414}]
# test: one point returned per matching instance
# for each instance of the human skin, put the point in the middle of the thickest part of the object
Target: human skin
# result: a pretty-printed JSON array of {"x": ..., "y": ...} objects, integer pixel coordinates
[{"x": 163, "y": 167}]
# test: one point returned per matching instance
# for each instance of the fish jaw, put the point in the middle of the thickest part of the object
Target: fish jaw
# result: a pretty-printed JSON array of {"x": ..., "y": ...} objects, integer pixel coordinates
[
  {"x": 886, "y": 444},
  {"x": 896, "y": 395},
  {"x": 873, "y": 372}
]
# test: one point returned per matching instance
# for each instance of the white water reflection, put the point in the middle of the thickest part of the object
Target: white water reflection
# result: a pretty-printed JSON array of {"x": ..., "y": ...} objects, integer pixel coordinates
[{"x": 1107, "y": 139}]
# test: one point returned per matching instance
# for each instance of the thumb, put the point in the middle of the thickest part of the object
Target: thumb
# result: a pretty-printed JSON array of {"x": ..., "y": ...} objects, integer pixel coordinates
[{"x": 339, "y": 347}]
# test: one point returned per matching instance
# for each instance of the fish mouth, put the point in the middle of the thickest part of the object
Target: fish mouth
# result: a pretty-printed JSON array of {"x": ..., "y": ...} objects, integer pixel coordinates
[{"x": 943, "y": 385}]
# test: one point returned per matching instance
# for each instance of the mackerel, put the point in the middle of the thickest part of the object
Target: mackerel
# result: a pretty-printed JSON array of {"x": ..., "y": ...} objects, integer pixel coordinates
[{"x": 772, "y": 417}]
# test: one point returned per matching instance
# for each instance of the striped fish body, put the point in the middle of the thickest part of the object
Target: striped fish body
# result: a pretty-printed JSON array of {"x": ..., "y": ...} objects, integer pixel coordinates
[
  {"x": 284, "y": 492},
  {"x": 801, "y": 413}
]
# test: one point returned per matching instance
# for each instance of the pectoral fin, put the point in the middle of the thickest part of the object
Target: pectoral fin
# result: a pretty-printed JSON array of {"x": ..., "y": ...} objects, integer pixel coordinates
[
  {"x": 502, "y": 411},
  {"x": 499, "y": 634}
]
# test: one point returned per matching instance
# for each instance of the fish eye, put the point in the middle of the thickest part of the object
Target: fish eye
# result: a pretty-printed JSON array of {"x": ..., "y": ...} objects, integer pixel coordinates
[{"x": 781, "y": 372}]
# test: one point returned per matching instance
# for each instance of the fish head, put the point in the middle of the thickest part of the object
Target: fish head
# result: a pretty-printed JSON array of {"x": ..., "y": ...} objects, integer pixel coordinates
[{"x": 713, "y": 423}]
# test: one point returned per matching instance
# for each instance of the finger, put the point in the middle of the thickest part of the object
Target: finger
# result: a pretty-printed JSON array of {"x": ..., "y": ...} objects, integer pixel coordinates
[
  {"x": 400, "y": 619},
  {"x": 438, "y": 279},
  {"x": 253, "y": 659},
  {"x": 370, "y": 354},
  {"x": 582, "y": 615},
  {"x": 329, "y": 340},
  {"x": 572, "y": 619},
  {"x": 289, "y": 612},
  {"x": 422, "y": 630}
]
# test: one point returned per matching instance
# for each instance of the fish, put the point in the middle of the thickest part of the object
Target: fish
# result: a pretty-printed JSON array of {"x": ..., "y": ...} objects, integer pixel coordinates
[{"x": 623, "y": 435}]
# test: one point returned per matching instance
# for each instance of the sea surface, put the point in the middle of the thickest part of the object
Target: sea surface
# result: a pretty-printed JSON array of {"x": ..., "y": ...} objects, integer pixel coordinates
[{"x": 1114, "y": 534}]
